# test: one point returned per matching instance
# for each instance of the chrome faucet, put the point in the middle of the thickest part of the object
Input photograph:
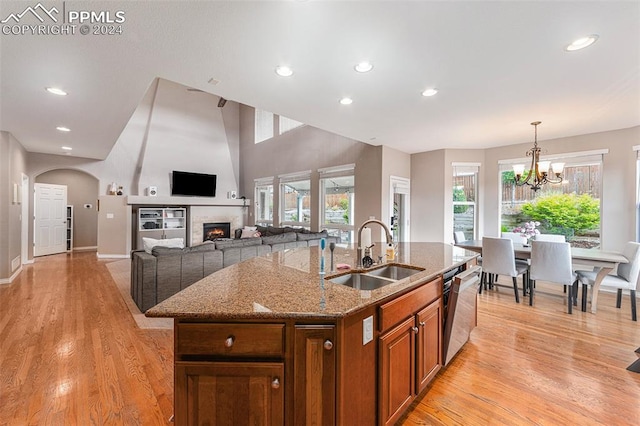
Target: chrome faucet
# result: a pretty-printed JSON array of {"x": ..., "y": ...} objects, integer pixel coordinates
[{"x": 386, "y": 229}]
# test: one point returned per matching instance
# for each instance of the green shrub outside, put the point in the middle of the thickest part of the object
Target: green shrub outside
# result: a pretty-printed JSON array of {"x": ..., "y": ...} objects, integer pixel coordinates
[
  {"x": 458, "y": 195},
  {"x": 565, "y": 213}
]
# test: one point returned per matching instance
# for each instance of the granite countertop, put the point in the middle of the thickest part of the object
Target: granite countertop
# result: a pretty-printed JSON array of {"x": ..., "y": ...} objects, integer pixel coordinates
[{"x": 287, "y": 284}]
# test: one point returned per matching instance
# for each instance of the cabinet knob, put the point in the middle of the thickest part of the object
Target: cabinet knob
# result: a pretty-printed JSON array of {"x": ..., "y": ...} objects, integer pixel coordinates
[
  {"x": 422, "y": 323},
  {"x": 415, "y": 329},
  {"x": 229, "y": 342},
  {"x": 275, "y": 383},
  {"x": 328, "y": 344}
]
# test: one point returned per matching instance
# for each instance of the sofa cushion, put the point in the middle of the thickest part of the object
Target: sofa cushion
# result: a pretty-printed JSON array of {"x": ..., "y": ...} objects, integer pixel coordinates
[
  {"x": 206, "y": 246},
  {"x": 245, "y": 242},
  {"x": 249, "y": 233},
  {"x": 281, "y": 238},
  {"x": 166, "y": 251},
  {"x": 312, "y": 235}
]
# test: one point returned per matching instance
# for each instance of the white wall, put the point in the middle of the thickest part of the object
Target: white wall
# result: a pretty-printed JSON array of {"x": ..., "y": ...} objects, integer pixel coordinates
[{"x": 394, "y": 163}]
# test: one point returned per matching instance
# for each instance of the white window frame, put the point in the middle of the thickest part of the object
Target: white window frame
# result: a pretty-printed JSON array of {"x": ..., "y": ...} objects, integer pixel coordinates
[
  {"x": 258, "y": 184},
  {"x": 325, "y": 175},
  {"x": 283, "y": 180},
  {"x": 467, "y": 169}
]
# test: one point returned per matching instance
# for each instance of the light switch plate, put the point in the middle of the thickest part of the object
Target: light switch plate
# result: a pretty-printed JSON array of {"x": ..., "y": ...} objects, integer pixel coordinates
[
  {"x": 109, "y": 215},
  {"x": 367, "y": 330}
]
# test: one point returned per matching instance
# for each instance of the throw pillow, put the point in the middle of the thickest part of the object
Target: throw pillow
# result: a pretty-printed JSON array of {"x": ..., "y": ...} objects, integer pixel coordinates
[
  {"x": 150, "y": 243},
  {"x": 249, "y": 233}
]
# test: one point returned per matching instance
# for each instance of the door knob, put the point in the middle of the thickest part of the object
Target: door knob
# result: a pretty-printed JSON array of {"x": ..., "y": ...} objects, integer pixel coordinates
[
  {"x": 275, "y": 383},
  {"x": 229, "y": 342},
  {"x": 415, "y": 329},
  {"x": 328, "y": 344}
]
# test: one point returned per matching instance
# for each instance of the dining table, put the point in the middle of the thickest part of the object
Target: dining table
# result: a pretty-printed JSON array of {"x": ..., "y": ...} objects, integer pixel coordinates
[{"x": 606, "y": 261}]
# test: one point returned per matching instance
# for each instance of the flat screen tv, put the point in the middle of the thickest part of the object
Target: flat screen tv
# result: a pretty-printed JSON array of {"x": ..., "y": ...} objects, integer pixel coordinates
[{"x": 193, "y": 184}]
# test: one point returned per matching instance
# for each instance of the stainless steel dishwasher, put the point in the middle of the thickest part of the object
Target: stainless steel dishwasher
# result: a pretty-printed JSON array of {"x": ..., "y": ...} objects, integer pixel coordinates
[{"x": 460, "y": 311}]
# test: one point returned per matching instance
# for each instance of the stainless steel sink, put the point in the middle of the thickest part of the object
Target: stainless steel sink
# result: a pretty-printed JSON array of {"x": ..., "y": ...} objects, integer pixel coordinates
[
  {"x": 375, "y": 278},
  {"x": 361, "y": 281},
  {"x": 394, "y": 272}
]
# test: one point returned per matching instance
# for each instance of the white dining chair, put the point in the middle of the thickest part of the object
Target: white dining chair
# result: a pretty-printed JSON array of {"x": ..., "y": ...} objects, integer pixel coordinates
[
  {"x": 458, "y": 237},
  {"x": 550, "y": 237},
  {"x": 551, "y": 262},
  {"x": 515, "y": 237},
  {"x": 626, "y": 278},
  {"x": 498, "y": 258}
]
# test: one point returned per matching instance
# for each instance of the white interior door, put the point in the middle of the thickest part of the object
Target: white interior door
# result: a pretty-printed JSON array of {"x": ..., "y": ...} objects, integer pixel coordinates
[{"x": 50, "y": 219}]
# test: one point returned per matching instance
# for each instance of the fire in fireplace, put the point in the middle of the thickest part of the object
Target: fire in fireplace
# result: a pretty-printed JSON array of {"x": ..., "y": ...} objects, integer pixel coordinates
[{"x": 213, "y": 231}]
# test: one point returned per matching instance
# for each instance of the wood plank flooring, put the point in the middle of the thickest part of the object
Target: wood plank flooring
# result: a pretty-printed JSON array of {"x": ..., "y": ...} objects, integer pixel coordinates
[{"x": 71, "y": 354}]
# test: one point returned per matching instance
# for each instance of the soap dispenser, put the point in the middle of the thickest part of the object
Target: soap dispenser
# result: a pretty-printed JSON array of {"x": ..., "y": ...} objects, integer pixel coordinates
[{"x": 391, "y": 252}]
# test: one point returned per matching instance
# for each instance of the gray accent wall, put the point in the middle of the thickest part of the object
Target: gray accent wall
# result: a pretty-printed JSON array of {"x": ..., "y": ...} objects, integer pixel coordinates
[{"x": 309, "y": 148}]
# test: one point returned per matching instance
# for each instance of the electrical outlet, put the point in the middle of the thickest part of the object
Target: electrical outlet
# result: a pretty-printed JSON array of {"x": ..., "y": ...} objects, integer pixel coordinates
[{"x": 367, "y": 330}]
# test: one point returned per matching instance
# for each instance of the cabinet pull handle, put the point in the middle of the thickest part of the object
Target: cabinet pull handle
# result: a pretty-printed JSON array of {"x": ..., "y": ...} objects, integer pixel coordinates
[
  {"x": 422, "y": 323},
  {"x": 275, "y": 383},
  {"x": 229, "y": 342},
  {"x": 328, "y": 344},
  {"x": 415, "y": 329}
]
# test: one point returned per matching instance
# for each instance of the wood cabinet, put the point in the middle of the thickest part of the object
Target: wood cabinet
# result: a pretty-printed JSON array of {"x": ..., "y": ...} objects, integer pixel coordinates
[
  {"x": 314, "y": 375},
  {"x": 410, "y": 353},
  {"x": 229, "y": 393}
]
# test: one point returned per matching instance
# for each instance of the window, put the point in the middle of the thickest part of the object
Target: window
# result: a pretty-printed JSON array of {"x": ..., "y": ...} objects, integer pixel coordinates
[
  {"x": 264, "y": 201},
  {"x": 570, "y": 208},
  {"x": 286, "y": 124},
  {"x": 337, "y": 186},
  {"x": 295, "y": 200},
  {"x": 263, "y": 125},
  {"x": 465, "y": 194}
]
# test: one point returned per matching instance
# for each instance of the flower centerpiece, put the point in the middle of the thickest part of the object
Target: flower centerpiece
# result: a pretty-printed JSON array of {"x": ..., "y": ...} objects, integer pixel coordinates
[{"x": 528, "y": 229}]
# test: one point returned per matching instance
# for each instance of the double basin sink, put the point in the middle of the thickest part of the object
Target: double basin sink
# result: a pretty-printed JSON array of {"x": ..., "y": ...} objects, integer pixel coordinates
[{"x": 375, "y": 278}]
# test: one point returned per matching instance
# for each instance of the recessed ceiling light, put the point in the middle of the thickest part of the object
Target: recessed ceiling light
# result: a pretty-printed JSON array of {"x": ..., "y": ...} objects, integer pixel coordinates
[
  {"x": 284, "y": 71},
  {"x": 581, "y": 43},
  {"x": 430, "y": 92},
  {"x": 67, "y": 148},
  {"x": 63, "y": 129},
  {"x": 346, "y": 101},
  {"x": 56, "y": 91},
  {"x": 364, "y": 67}
]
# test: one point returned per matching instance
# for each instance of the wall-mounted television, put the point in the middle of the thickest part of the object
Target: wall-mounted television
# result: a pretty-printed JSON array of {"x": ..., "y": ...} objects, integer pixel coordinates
[{"x": 193, "y": 184}]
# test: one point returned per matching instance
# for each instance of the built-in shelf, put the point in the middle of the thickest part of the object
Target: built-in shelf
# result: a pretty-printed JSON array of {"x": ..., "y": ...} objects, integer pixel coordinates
[
  {"x": 185, "y": 201},
  {"x": 69, "y": 228}
]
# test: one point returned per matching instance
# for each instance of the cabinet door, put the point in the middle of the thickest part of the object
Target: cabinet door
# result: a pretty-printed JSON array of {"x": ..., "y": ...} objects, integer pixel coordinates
[
  {"x": 429, "y": 351},
  {"x": 229, "y": 393},
  {"x": 315, "y": 375},
  {"x": 397, "y": 371}
]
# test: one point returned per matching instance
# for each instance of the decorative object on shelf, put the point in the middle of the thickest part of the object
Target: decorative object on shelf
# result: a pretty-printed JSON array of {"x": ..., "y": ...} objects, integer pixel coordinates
[
  {"x": 538, "y": 173},
  {"x": 113, "y": 188},
  {"x": 528, "y": 229},
  {"x": 120, "y": 190}
]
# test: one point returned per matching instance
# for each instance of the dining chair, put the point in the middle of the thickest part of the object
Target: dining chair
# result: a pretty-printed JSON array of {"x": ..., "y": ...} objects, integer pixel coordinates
[
  {"x": 550, "y": 237},
  {"x": 498, "y": 258},
  {"x": 458, "y": 237},
  {"x": 626, "y": 278},
  {"x": 551, "y": 262},
  {"x": 515, "y": 237}
]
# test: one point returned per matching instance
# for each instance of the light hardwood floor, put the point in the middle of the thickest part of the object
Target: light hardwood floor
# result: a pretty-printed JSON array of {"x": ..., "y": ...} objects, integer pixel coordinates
[{"x": 71, "y": 354}]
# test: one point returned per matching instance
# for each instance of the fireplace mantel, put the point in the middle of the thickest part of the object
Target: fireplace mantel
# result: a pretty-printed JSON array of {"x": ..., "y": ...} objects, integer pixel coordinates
[{"x": 186, "y": 201}]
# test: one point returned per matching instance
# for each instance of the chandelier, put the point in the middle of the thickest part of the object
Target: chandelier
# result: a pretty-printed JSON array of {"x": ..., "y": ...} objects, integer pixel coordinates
[{"x": 538, "y": 173}]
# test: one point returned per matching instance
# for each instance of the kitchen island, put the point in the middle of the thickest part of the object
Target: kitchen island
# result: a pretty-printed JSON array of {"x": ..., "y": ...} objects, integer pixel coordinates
[{"x": 272, "y": 341}]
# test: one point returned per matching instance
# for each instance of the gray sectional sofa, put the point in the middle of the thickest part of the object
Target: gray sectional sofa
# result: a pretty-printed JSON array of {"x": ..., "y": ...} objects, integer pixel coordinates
[{"x": 163, "y": 273}]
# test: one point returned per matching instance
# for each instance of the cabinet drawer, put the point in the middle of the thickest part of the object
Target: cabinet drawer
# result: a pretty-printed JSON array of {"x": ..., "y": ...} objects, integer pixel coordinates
[
  {"x": 397, "y": 310},
  {"x": 259, "y": 340}
]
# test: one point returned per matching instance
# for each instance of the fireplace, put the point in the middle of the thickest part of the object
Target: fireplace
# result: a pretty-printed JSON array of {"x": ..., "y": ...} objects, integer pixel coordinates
[{"x": 214, "y": 231}]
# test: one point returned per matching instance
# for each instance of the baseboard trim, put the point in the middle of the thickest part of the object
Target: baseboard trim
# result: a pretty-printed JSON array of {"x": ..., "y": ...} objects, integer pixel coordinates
[
  {"x": 90, "y": 248},
  {"x": 112, "y": 256},
  {"x": 12, "y": 277}
]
